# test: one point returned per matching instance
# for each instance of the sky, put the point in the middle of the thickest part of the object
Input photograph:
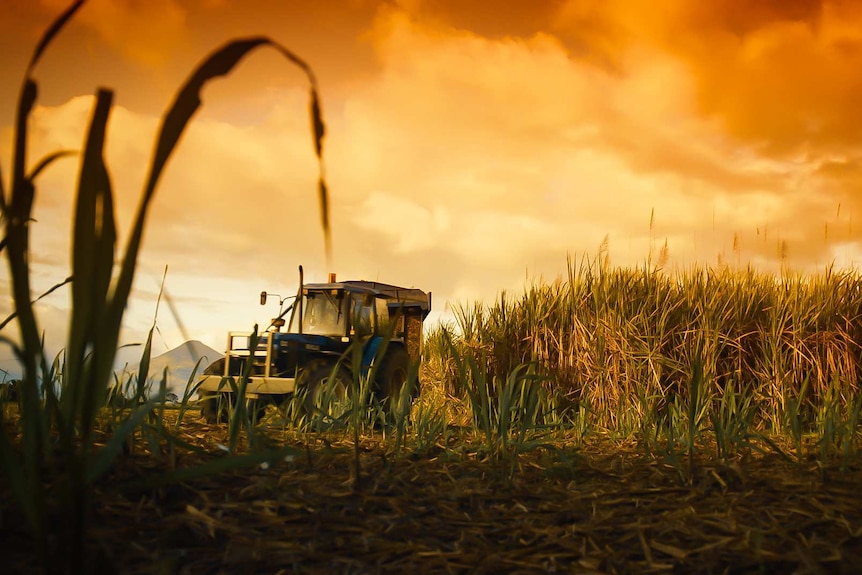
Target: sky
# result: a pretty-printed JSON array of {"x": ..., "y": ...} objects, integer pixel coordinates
[{"x": 470, "y": 147}]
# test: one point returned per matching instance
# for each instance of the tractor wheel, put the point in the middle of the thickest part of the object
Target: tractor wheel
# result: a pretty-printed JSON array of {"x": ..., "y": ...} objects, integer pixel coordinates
[
  {"x": 317, "y": 379},
  {"x": 215, "y": 407},
  {"x": 393, "y": 377},
  {"x": 255, "y": 408}
]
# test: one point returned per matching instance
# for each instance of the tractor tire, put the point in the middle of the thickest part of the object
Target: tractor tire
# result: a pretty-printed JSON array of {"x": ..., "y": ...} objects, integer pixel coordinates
[
  {"x": 317, "y": 376},
  {"x": 282, "y": 403},
  {"x": 256, "y": 409},
  {"x": 393, "y": 377},
  {"x": 214, "y": 409}
]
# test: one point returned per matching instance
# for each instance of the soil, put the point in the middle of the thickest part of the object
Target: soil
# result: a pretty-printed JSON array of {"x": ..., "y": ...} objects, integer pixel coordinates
[{"x": 598, "y": 507}]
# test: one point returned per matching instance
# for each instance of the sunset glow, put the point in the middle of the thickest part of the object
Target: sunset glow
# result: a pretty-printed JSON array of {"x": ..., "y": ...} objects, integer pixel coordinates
[{"x": 468, "y": 149}]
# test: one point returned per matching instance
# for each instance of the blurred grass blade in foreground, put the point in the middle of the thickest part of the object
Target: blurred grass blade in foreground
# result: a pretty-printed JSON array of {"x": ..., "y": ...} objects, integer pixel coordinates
[{"x": 63, "y": 402}]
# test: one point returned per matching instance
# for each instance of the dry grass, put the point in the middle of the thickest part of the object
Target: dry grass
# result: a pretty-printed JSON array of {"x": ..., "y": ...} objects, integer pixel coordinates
[
  {"x": 624, "y": 344},
  {"x": 602, "y": 508}
]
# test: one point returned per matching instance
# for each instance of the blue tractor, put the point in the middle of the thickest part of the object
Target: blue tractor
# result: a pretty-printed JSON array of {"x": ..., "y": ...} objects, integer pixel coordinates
[{"x": 304, "y": 352}]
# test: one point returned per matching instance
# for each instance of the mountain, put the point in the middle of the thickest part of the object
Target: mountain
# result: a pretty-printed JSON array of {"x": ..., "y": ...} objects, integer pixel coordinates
[{"x": 180, "y": 362}]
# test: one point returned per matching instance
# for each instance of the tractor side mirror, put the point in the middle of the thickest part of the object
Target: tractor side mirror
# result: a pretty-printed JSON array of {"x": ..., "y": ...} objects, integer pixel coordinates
[{"x": 263, "y": 298}]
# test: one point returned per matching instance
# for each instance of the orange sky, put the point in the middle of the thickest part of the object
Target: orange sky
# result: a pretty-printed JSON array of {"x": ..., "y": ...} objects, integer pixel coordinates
[{"x": 469, "y": 148}]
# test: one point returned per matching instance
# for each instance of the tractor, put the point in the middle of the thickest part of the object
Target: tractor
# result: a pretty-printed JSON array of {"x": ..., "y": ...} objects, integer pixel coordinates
[{"x": 310, "y": 349}]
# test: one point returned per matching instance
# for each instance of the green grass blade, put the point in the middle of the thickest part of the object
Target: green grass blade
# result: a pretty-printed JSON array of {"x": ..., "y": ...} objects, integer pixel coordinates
[
  {"x": 52, "y": 31},
  {"x": 25, "y": 490},
  {"x": 144, "y": 365},
  {"x": 22, "y": 200},
  {"x": 173, "y": 125},
  {"x": 4, "y": 210},
  {"x": 188, "y": 101},
  {"x": 114, "y": 446},
  {"x": 190, "y": 389},
  {"x": 93, "y": 248},
  {"x": 54, "y": 288},
  {"x": 47, "y": 161}
]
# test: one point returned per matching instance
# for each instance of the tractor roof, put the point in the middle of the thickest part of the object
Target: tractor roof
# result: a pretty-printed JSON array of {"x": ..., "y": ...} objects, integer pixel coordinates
[{"x": 407, "y": 296}]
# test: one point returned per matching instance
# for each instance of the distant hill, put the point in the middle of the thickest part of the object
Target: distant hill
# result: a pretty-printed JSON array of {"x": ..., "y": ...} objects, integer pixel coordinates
[{"x": 180, "y": 362}]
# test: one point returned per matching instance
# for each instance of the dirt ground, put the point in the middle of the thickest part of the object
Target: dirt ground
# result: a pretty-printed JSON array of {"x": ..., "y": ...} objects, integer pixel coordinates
[{"x": 598, "y": 508}]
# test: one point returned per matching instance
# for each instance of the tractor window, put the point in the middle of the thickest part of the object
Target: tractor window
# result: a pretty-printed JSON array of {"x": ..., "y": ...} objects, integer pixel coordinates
[
  {"x": 383, "y": 326},
  {"x": 322, "y": 314},
  {"x": 363, "y": 316}
]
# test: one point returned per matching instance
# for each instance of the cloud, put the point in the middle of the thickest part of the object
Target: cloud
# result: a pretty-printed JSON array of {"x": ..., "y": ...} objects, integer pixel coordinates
[
  {"x": 408, "y": 226},
  {"x": 522, "y": 125},
  {"x": 228, "y": 183},
  {"x": 779, "y": 75},
  {"x": 470, "y": 159},
  {"x": 145, "y": 32}
]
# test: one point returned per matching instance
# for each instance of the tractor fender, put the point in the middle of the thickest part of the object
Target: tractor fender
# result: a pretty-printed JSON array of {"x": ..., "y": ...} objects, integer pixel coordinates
[{"x": 371, "y": 347}]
